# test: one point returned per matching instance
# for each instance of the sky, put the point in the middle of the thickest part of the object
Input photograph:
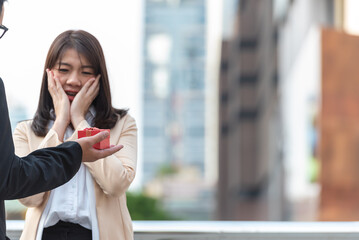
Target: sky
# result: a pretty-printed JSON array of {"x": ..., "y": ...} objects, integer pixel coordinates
[{"x": 33, "y": 25}]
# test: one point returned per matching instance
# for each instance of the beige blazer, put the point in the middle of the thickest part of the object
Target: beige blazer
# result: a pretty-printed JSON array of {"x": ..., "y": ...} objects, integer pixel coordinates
[{"x": 112, "y": 176}]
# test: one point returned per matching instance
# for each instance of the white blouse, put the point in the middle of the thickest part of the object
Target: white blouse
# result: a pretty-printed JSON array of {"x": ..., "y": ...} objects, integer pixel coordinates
[{"x": 74, "y": 201}]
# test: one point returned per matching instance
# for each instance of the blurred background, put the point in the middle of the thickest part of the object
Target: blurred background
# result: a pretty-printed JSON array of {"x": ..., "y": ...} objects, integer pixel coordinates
[{"x": 246, "y": 109}]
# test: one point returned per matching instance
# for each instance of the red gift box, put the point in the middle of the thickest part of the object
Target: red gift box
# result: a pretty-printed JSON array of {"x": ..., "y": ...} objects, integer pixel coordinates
[{"x": 93, "y": 131}]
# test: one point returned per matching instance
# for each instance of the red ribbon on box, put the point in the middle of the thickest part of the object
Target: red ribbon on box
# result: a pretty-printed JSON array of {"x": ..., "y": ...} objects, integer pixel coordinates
[{"x": 93, "y": 131}]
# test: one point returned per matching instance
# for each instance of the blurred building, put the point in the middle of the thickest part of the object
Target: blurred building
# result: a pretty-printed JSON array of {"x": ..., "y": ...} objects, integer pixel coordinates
[
  {"x": 339, "y": 126},
  {"x": 269, "y": 97},
  {"x": 174, "y": 51},
  {"x": 300, "y": 76},
  {"x": 250, "y": 169},
  {"x": 174, "y": 93}
]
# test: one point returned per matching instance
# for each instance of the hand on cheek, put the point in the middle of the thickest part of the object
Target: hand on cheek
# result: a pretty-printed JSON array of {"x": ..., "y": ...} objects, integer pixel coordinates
[
  {"x": 61, "y": 104},
  {"x": 83, "y": 100}
]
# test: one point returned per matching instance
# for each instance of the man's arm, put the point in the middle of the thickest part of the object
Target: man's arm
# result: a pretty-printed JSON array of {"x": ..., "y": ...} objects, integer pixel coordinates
[{"x": 40, "y": 171}]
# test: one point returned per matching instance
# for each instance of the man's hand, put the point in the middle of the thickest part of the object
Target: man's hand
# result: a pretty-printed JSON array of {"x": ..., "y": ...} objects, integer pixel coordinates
[{"x": 90, "y": 154}]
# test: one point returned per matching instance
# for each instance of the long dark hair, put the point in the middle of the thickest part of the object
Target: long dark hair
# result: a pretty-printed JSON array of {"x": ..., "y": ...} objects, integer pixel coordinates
[{"x": 89, "y": 47}]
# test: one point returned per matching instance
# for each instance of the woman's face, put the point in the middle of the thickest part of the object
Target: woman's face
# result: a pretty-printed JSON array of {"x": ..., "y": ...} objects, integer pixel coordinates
[{"x": 73, "y": 71}]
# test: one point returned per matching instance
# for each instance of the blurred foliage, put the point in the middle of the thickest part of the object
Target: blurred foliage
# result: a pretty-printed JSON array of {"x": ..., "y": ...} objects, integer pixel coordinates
[
  {"x": 314, "y": 170},
  {"x": 166, "y": 170},
  {"x": 142, "y": 207}
]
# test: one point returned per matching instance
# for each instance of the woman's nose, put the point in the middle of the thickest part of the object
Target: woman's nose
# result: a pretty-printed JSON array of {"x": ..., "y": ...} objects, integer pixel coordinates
[{"x": 74, "y": 80}]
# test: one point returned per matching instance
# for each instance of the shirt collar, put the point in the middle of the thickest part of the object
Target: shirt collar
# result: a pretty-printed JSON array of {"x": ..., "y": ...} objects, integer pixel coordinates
[{"x": 90, "y": 115}]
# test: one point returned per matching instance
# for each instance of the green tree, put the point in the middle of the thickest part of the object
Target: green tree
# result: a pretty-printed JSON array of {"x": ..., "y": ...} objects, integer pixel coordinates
[{"x": 142, "y": 207}]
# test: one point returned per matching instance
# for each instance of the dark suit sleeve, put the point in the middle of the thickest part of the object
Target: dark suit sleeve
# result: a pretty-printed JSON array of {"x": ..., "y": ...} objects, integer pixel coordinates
[{"x": 40, "y": 171}]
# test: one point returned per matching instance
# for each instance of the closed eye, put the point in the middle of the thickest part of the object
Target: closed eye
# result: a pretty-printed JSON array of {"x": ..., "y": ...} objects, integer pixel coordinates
[
  {"x": 87, "y": 73},
  {"x": 63, "y": 70}
]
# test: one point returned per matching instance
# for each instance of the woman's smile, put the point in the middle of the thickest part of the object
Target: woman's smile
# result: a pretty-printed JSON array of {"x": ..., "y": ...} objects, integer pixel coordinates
[{"x": 71, "y": 95}]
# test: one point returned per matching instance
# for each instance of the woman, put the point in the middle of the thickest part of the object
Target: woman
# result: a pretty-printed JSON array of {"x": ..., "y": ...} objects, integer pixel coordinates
[{"x": 75, "y": 94}]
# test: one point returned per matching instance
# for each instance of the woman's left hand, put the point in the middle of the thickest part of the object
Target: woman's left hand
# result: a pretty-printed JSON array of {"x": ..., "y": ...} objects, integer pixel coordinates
[{"x": 83, "y": 100}]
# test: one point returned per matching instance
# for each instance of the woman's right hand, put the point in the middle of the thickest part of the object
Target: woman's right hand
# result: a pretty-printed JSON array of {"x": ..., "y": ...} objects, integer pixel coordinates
[{"x": 61, "y": 104}]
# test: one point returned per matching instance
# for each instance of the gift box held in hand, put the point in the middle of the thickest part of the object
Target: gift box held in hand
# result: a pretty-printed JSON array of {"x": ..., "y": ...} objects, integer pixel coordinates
[{"x": 93, "y": 131}]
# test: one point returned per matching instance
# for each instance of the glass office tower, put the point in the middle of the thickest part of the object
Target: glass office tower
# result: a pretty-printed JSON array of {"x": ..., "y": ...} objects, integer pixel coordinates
[
  {"x": 174, "y": 73},
  {"x": 174, "y": 86}
]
